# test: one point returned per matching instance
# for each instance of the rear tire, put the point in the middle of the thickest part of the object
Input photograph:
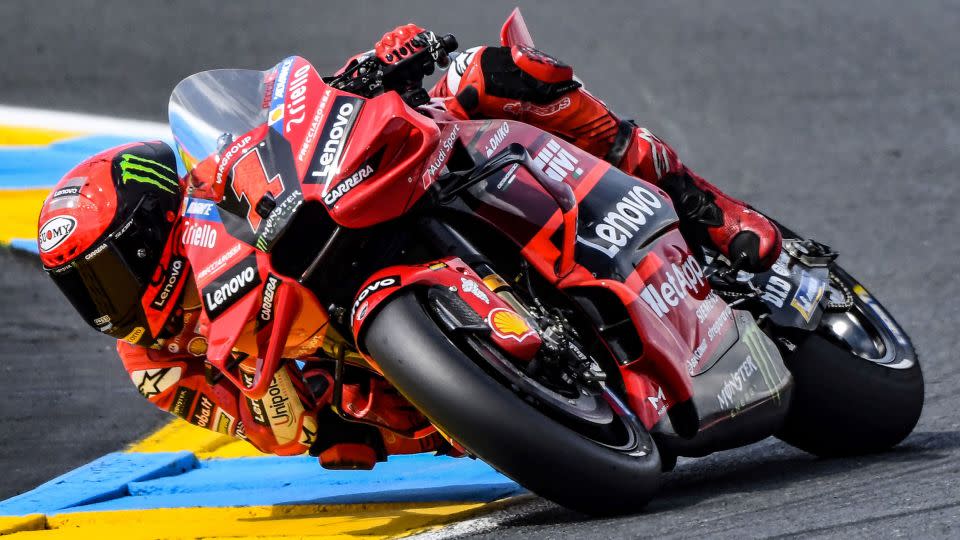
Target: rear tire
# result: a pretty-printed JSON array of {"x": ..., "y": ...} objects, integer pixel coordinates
[
  {"x": 496, "y": 424},
  {"x": 847, "y": 404}
]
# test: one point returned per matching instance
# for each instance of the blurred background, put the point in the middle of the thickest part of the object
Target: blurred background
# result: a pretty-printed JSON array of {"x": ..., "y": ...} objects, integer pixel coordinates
[{"x": 841, "y": 119}]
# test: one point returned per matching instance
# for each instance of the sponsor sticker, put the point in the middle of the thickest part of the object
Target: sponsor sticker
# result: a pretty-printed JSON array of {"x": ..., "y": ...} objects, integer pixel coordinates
[
  {"x": 678, "y": 282},
  {"x": 507, "y": 324},
  {"x": 336, "y": 130},
  {"x": 366, "y": 169},
  {"x": 470, "y": 286},
  {"x": 152, "y": 382},
  {"x": 199, "y": 234},
  {"x": 265, "y": 315},
  {"x": 197, "y": 346},
  {"x": 624, "y": 220},
  {"x": 497, "y": 138},
  {"x": 170, "y": 278},
  {"x": 224, "y": 422},
  {"x": 658, "y": 402},
  {"x": 203, "y": 413},
  {"x": 380, "y": 284},
  {"x": 134, "y": 336},
  {"x": 182, "y": 401},
  {"x": 230, "y": 286},
  {"x": 808, "y": 295},
  {"x": 55, "y": 231}
]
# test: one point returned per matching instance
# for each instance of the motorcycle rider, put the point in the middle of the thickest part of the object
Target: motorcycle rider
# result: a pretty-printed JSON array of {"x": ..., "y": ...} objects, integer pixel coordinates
[{"x": 110, "y": 237}]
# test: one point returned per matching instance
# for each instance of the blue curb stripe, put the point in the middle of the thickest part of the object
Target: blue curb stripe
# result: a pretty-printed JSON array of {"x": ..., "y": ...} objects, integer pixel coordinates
[
  {"x": 140, "y": 481},
  {"x": 100, "y": 480}
]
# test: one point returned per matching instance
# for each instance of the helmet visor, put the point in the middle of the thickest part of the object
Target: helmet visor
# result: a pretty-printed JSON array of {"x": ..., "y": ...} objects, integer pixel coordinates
[{"x": 107, "y": 283}]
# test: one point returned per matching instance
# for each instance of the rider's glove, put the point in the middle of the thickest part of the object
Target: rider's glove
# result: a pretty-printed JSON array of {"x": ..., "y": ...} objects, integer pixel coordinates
[{"x": 400, "y": 43}]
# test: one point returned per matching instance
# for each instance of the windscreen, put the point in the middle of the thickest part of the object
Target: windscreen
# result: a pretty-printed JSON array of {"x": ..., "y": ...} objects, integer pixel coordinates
[{"x": 211, "y": 109}]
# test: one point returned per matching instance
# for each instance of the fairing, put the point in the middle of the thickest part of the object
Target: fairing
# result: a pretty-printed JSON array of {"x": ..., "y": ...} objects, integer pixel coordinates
[{"x": 258, "y": 145}]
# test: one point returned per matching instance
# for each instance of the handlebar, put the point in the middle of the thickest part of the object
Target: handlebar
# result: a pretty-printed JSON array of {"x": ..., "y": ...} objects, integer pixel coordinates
[{"x": 370, "y": 76}]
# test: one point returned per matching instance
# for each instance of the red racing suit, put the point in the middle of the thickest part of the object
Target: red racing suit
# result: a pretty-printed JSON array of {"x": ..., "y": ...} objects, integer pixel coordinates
[{"x": 484, "y": 82}]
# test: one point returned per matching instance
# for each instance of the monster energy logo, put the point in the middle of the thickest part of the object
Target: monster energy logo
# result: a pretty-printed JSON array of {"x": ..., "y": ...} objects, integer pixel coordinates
[
  {"x": 753, "y": 338},
  {"x": 148, "y": 171},
  {"x": 738, "y": 388}
]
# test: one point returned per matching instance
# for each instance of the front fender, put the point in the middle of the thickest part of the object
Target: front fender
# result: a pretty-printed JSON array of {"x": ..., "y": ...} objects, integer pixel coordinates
[{"x": 507, "y": 329}]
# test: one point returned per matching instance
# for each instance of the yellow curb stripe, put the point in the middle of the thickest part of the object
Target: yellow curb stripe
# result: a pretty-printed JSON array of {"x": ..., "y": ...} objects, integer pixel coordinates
[
  {"x": 179, "y": 435},
  {"x": 20, "y": 210},
  {"x": 369, "y": 521},
  {"x": 31, "y": 522},
  {"x": 31, "y": 136}
]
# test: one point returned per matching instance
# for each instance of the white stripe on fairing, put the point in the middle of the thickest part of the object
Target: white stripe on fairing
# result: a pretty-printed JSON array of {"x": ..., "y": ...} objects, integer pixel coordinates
[{"x": 87, "y": 123}]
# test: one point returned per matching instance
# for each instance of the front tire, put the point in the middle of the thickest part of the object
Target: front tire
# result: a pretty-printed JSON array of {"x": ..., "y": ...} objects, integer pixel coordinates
[{"x": 498, "y": 425}]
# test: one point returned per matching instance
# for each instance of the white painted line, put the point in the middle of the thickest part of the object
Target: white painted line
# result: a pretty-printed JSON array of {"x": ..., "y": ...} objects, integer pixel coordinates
[{"x": 87, "y": 123}]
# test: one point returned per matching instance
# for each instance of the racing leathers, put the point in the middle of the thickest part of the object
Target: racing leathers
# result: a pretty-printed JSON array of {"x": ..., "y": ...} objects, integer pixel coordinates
[
  {"x": 524, "y": 84},
  {"x": 292, "y": 418}
]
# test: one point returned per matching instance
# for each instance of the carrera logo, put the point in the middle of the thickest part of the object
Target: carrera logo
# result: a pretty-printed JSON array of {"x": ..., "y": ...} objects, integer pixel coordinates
[
  {"x": 169, "y": 284},
  {"x": 335, "y": 132},
  {"x": 556, "y": 161},
  {"x": 498, "y": 136},
  {"x": 55, "y": 231},
  {"x": 621, "y": 223},
  {"x": 507, "y": 324},
  {"x": 364, "y": 171},
  {"x": 296, "y": 97},
  {"x": 266, "y": 303},
  {"x": 380, "y": 284},
  {"x": 230, "y": 286},
  {"x": 680, "y": 281}
]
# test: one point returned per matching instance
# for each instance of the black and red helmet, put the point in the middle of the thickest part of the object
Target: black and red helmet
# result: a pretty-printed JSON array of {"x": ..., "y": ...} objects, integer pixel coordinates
[{"x": 107, "y": 239}]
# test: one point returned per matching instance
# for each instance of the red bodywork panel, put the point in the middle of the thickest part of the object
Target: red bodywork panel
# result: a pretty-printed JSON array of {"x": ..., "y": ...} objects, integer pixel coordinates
[{"x": 508, "y": 330}]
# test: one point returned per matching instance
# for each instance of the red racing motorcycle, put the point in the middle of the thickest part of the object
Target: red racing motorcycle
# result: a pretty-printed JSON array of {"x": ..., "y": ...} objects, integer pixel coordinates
[{"x": 539, "y": 306}]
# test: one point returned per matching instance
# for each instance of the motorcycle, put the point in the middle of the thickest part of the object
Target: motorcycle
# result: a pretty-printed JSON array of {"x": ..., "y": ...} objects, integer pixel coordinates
[{"x": 539, "y": 306}]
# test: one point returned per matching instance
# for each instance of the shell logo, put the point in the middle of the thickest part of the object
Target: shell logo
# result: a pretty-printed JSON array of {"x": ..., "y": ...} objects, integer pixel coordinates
[{"x": 507, "y": 324}]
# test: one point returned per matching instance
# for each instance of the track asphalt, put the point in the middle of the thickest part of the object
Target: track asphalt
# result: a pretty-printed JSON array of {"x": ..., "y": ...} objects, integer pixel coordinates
[{"x": 841, "y": 119}]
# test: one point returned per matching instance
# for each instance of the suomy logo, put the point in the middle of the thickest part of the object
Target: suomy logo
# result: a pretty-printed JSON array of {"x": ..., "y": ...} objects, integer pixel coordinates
[
  {"x": 230, "y": 286},
  {"x": 55, "y": 231}
]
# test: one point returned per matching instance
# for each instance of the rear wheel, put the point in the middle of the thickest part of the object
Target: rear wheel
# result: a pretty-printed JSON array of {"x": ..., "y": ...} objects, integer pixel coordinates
[
  {"x": 859, "y": 388},
  {"x": 585, "y": 451}
]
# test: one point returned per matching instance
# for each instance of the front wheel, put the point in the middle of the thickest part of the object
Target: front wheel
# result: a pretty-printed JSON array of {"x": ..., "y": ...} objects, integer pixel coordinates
[{"x": 599, "y": 462}]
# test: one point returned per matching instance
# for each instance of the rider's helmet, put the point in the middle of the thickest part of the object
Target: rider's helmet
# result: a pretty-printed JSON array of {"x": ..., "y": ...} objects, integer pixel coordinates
[{"x": 107, "y": 239}]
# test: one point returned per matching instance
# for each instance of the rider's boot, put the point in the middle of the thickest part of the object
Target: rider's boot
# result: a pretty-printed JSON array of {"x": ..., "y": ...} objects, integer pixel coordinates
[
  {"x": 359, "y": 444},
  {"x": 523, "y": 84}
]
